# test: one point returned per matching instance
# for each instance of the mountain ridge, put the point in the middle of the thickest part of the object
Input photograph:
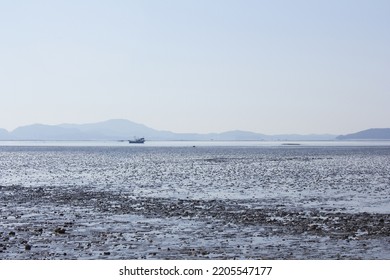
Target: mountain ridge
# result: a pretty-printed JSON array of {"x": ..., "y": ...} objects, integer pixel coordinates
[
  {"x": 368, "y": 134},
  {"x": 122, "y": 129}
]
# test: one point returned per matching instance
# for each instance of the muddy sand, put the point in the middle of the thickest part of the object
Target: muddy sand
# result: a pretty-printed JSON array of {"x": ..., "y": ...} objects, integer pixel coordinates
[
  {"x": 80, "y": 224},
  {"x": 285, "y": 203}
]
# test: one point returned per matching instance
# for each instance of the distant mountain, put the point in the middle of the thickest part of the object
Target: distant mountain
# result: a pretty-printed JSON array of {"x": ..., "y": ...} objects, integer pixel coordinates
[
  {"x": 4, "y": 134},
  {"x": 113, "y": 129},
  {"x": 123, "y": 129},
  {"x": 108, "y": 130},
  {"x": 369, "y": 134},
  {"x": 45, "y": 132}
]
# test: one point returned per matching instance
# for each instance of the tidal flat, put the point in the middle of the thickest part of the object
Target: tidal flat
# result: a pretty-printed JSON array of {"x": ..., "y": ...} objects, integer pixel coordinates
[{"x": 207, "y": 202}]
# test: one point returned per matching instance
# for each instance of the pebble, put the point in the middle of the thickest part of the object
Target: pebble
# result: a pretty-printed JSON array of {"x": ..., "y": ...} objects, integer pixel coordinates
[{"x": 60, "y": 230}]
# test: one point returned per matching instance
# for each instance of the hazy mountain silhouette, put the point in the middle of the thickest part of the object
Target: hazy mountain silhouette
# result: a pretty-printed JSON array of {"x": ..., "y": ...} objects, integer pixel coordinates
[
  {"x": 120, "y": 129},
  {"x": 4, "y": 134},
  {"x": 45, "y": 132},
  {"x": 369, "y": 134},
  {"x": 113, "y": 129}
]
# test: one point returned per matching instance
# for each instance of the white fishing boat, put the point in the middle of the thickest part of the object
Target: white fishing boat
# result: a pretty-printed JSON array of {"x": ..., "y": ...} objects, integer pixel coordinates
[{"x": 137, "y": 141}]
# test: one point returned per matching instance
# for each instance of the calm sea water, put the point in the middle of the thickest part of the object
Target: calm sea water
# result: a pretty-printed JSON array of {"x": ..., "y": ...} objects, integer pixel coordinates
[{"x": 353, "y": 176}]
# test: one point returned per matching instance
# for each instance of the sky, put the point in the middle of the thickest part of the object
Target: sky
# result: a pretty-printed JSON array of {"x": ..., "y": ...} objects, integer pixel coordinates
[{"x": 201, "y": 66}]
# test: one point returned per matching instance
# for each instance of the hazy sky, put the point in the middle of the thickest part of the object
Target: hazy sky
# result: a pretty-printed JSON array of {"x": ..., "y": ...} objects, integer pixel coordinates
[{"x": 197, "y": 65}]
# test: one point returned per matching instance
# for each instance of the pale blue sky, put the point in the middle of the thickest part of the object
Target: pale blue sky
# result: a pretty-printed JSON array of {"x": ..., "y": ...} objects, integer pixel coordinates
[{"x": 197, "y": 65}]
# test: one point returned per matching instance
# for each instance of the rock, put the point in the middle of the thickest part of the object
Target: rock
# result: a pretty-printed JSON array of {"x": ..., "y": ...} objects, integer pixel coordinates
[
  {"x": 59, "y": 230},
  {"x": 27, "y": 247}
]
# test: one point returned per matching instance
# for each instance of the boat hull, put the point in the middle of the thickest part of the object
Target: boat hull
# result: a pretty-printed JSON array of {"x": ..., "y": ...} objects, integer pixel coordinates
[{"x": 137, "y": 141}]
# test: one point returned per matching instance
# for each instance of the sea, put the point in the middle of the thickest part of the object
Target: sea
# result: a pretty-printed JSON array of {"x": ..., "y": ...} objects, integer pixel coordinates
[{"x": 195, "y": 200}]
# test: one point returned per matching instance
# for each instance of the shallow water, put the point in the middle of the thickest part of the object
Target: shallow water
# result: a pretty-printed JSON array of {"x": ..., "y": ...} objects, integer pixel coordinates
[{"x": 185, "y": 202}]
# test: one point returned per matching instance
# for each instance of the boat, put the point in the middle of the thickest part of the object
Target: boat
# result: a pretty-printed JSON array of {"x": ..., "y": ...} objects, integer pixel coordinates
[{"x": 137, "y": 141}]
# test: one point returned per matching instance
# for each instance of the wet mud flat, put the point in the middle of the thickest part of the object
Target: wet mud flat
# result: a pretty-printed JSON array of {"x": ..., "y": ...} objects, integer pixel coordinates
[
  {"x": 80, "y": 224},
  {"x": 195, "y": 203}
]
